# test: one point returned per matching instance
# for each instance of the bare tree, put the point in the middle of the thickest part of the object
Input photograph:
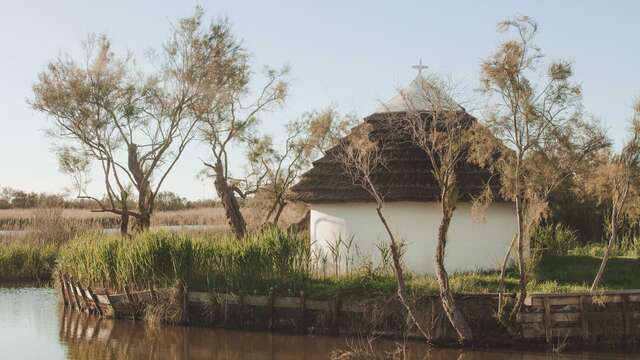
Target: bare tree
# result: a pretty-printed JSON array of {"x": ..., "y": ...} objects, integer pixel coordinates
[
  {"x": 135, "y": 126},
  {"x": 613, "y": 183},
  {"x": 362, "y": 157},
  {"x": 530, "y": 117},
  {"x": 440, "y": 130}
]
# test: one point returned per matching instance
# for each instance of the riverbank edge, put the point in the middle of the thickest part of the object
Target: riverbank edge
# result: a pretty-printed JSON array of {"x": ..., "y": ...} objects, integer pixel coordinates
[{"x": 354, "y": 317}]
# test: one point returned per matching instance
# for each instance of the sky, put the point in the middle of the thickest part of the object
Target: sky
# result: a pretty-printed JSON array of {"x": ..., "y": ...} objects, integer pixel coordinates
[{"x": 350, "y": 54}]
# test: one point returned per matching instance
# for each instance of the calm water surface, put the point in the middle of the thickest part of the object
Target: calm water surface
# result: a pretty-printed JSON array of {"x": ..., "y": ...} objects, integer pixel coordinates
[{"x": 33, "y": 325}]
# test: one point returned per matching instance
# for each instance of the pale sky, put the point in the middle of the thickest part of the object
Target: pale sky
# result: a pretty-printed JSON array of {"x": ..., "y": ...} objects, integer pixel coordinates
[{"x": 350, "y": 53}]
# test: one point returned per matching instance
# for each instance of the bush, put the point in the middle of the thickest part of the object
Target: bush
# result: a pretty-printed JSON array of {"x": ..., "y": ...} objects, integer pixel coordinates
[
  {"x": 26, "y": 262},
  {"x": 554, "y": 239}
]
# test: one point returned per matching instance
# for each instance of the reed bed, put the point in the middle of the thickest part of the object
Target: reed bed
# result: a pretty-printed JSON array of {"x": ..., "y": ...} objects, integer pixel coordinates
[
  {"x": 280, "y": 263},
  {"x": 270, "y": 261},
  {"x": 27, "y": 263},
  {"x": 27, "y": 219}
]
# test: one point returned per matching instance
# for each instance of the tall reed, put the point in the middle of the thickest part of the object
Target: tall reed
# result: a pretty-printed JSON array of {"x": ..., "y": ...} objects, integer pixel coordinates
[{"x": 270, "y": 261}]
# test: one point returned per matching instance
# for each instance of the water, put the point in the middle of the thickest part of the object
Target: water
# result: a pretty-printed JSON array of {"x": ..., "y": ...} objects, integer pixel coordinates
[{"x": 33, "y": 325}]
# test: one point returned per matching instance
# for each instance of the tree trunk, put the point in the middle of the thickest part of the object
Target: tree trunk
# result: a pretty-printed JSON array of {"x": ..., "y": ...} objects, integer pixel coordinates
[
  {"x": 607, "y": 251},
  {"x": 396, "y": 257},
  {"x": 281, "y": 206},
  {"x": 503, "y": 271},
  {"x": 230, "y": 203},
  {"x": 455, "y": 315},
  {"x": 522, "y": 266},
  {"x": 144, "y": 220},
  {"x": 124, "y": 223}
]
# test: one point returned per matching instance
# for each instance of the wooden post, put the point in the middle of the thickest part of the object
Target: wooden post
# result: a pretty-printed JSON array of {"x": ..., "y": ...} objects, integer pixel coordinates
[
  {"x": 335, "y": 316},
  {"x": 75, "y": 293},
  {"x": 114, "y": 313},
  {"x": 303, "y": 308},
  {"x": 63, "y": 291},
  {"x": 241, "y": 303},
  {"x": 85, "y": 299},
  {"x": 583, "y": 317},
  {"x": 94, "y": 298},
  {"x": 132, "y": 306},
  {"x": 270, "y": 311},
  {"x": 547, "y": 319},
  {"x": 626, "y": 317}
]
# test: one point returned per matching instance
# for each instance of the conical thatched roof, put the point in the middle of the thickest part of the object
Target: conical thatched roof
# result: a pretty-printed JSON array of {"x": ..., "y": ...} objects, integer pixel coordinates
[{"x": 406, "y": 175}]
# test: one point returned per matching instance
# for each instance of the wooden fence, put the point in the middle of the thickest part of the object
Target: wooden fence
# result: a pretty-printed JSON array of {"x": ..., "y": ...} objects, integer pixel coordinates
[
  {"x": 590, "y": 317},
  {"x": 607, "y": 316}
]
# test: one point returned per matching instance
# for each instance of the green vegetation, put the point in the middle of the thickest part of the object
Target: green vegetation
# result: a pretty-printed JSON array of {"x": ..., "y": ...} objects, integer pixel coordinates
[
  {"x": 26, "y": 262},
  {"x": 280, "y": 263}
]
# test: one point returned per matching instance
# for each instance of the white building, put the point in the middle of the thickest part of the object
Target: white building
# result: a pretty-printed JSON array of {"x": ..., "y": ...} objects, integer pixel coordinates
[{"x": 341, "y": 210}]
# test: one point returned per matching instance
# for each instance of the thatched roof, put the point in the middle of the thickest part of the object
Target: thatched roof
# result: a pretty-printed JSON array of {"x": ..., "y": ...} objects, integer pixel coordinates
[{"x": 406, "y": 175}]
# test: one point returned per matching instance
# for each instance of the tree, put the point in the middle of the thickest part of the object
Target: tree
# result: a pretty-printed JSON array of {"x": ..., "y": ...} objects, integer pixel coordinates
[
  {"x": 135, "y": 125},
  {"x": 442, "y": 133},
  {"x": 615, "y": 181},
  {"x": 273, "y": 172},
  {"x": 77, "y": 165},
  {"x": 362, "y": 157},
  {"x": 532, "y": 119},
  {"x": 228, "y": 115}
]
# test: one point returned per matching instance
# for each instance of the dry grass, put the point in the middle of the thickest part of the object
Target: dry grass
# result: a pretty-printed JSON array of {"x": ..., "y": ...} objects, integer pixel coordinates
[{"x": 29, "y": 219}]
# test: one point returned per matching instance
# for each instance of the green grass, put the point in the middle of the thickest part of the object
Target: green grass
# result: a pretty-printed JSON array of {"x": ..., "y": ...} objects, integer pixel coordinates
[
  {"x": 272, "y": 262},
  {"x": 26, "y": 262}
]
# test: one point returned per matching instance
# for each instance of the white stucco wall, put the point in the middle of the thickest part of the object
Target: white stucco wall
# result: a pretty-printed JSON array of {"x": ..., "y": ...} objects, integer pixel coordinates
[{"x": 471, "y": 245}]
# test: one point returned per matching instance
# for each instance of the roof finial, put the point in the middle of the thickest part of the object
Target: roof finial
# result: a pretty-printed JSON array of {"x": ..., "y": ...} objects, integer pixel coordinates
[{"x": 420, "y": 67}]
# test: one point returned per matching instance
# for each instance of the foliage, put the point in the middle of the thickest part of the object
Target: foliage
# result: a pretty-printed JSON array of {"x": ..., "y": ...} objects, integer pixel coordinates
[
  {"x": 26, "y": 262},
  {"x": 554, "y": 239},
  {"x": 270, "y": 261},
  {"x": 135, "y": 125}
]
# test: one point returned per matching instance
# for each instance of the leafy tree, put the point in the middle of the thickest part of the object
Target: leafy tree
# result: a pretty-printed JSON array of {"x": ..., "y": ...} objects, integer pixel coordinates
[
  {"x": 228, "y": 115},
  {"x": 540, "y": 122},
  {"x": 615, "y": 183},
  {"x": 135, "y": 125},
  {"x": 274, "y": 171}
]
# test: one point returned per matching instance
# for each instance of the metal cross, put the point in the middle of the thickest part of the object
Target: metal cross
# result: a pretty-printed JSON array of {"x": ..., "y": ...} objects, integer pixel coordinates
[{"x": 420, "y": 67}]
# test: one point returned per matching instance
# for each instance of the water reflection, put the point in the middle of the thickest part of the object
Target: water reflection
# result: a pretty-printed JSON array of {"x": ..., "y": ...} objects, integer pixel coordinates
[
  {"x": 33, "y": 325},
  {"x": 89, "y": 337}
]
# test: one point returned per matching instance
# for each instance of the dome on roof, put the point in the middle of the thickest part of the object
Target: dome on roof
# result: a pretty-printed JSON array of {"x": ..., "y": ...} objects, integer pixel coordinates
[{"x": 423, "y": 94}]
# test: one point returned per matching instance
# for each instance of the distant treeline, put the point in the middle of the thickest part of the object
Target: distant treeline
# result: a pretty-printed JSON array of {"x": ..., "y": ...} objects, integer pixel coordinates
[{"x": 20, "y": 199}]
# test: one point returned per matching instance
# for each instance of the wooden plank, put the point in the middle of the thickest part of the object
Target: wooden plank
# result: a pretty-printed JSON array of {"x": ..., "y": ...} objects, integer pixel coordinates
[
  {"x": 539, "y": 302},
  {"x": 303, "y": 310},
  {"x": 547, "y": 319},
  {"x": 335, "y": 316},
  {"x": 73, "y": 293},
  {"x": 270, "y": 312},
  {"x": 554, "y": 316},
  {"x": 95, "y": 300},
  {"x": 603, "y": 315},
  {"x": 286, "y": 302},
  {"x": 62, "y": 291},
  {"x": 583, "y": 319},
  {"x": 354, "y": 307},
  {"x": 103, "y": 299},
  {"x": 606, "y": 298},
  {"x": 199, "y": 297},
  {"x": 256, "y": 300},
  {"x": 529, "y": 317},
  {"x": 626, "y": 317},
  {"x": 320, "y": 305}
]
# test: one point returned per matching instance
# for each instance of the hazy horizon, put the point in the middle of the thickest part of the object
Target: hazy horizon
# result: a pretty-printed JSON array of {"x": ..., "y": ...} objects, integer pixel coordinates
[{"x": 353, "y": 55}]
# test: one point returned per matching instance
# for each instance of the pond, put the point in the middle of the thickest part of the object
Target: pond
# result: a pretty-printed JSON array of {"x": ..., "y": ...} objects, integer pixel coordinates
[{"x": 33, "y": 325}]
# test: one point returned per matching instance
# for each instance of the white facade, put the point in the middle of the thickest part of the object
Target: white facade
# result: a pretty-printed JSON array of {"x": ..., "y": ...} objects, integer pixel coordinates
[{"x": 472, "y": 244}]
